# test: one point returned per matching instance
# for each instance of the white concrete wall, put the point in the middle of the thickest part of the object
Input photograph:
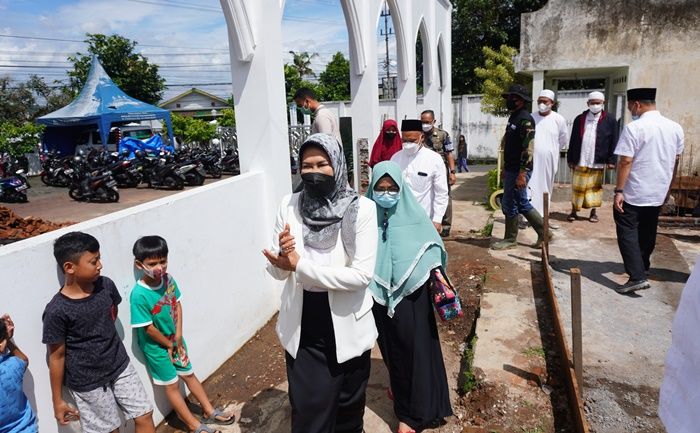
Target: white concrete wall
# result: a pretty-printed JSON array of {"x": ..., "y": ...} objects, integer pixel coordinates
[{"x": 215, "y": 239}]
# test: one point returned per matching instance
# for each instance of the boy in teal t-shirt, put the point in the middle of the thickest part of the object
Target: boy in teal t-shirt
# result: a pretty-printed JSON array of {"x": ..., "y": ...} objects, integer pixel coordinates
[{"x": 156, "y": 314}]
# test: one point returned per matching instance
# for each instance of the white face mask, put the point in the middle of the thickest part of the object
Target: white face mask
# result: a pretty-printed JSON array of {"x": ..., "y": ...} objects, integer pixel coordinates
[
  {"x": 544, "y": 108},
  {"x": 410, "y": 146},
  {"x": 427, "y": 127},
  {"x": 596, "y": 108},
  {"x": 155, "y": 273}
]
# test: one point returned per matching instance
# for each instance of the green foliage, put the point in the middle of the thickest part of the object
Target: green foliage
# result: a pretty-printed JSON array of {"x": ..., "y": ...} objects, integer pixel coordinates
[
  {"x": 129, "y": 70},
  {"x": 25, "y": 101},
  {"x": 468, "y": 380},
  {"x": 18, "y": 139},
  {"x": 334, "y": 81},
  {"x": 301, "y": 61},
  {"x": 483, "y": 23},
  {"x": 227, "y": 118},
  {"x": 492, "y": 180},
  {"x": 487, "y": 230},
  {"x": 497, "y": 74},
  {"x": 192, "y": 131},
  {"x": 534, "y": 352}
]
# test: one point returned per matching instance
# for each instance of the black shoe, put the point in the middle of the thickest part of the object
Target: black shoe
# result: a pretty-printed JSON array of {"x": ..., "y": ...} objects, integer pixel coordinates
[
  {"x": 632, "y": 286},
  {"x": 444, "y": 233}
]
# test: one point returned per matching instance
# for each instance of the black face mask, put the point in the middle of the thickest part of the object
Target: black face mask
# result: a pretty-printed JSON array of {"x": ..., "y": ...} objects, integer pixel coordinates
[
  {"x": 511, "y": 103},
  {"x": 318, "y": 184}
]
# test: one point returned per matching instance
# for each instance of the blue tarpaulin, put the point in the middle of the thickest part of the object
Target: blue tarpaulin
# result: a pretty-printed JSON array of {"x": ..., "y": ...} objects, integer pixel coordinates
[
  {"x": 152, "y": 145},
  {"x": 101, "y": 103}
]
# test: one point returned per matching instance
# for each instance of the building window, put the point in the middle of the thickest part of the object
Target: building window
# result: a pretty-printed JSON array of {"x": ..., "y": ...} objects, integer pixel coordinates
[
  {"x": 177, "y": 105},
  {"x": 213, "y": 104}
]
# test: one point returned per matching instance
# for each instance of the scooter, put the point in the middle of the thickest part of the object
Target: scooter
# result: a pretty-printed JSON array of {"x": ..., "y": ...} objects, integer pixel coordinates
[
  {"x": 92, "y": 186},
  {"x": 13, "y": 189},
  {"x": 160, "y": 172}
]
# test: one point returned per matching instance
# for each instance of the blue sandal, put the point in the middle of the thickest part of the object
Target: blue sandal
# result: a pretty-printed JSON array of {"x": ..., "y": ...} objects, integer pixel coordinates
[
  {"x": 214, "y": 418},
  {"x": 203, "y": 428}
]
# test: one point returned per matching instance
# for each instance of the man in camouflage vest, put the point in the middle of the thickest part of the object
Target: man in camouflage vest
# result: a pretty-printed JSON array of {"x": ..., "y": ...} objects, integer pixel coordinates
[{"x": 438, "y": 140}]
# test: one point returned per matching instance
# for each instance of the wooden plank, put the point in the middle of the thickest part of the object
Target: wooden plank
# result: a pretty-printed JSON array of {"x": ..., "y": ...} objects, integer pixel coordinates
[
  {"x": 545, "y": 217},
  {"x": 572, "y": 384},
  {"x": 576, "y": 337}
]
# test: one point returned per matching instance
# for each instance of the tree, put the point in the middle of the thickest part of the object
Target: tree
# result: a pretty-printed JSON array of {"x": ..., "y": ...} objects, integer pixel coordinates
[
  {"x": 302, "y": 63},
  {"x": 497, "y": 74},
  {"x": 335, "y": 79},
  {"x": 227, "y": 118},
  {"x": 25, "y": 101},
  {"x": 292, "y": 81},
  {"x": 192, "y": 131},
  {"x": 483, "y": 23},
  {"x": 19, "y": 139},
  {"x": 129, "y": 70}
]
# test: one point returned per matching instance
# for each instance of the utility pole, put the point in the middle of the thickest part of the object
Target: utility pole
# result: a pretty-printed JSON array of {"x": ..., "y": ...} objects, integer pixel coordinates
[{"x": 386, "y": 13}]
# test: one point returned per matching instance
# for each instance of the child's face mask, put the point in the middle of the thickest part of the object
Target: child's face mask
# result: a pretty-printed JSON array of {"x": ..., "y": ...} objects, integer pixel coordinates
[{"x": 156, "y": 273}]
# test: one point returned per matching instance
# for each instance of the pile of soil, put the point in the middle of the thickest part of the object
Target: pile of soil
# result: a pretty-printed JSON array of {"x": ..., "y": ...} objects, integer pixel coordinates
[{"x": 13, "y": 227}]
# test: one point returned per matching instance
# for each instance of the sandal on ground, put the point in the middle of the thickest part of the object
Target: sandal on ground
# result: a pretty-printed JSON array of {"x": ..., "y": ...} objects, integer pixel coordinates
[
  {"x": 203, "y": 428},
  {"x": 571, "y": 218},
  {"x": 593, "y": 218},
  {"x": 218, "y": 417}
]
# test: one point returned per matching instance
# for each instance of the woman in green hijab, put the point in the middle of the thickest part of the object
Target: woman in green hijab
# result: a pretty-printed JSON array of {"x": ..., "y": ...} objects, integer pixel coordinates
[{"x": 409, "y": 249}]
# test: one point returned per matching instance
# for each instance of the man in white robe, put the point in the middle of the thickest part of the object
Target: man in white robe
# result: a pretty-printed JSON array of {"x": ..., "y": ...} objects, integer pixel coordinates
[
  {"x": 680, "y": 390},
  {"x": 551, "y": 136}
]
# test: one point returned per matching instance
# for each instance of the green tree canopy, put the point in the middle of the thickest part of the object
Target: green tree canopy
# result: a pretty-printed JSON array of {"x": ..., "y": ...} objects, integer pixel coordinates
[
  {"x": 19, "y": 139},
  {"x": 228, "y": 118},
  {"x": 301, "y": 61},
  {"x": 131, "y": 71},
  {"x": 496, "y": 75},
  {"x": 335, "y": 79},
  {"x": 25, "y": 101},
  {"x": 192, "y": 131},
  {"x": 483, "y": 23}
]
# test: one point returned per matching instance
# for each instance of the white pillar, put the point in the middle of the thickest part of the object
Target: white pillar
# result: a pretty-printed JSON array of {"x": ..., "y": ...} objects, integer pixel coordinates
[
  {"x": 537, "y": 83},
  {"x": 255, "y": 42}
]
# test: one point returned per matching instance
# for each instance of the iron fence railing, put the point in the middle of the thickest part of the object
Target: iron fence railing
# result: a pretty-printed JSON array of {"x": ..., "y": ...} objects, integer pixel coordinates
[{"x": 564, "y": 173}]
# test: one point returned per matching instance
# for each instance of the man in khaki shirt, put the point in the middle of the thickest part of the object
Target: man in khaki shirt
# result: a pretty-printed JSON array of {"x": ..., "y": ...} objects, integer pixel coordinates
[{"x": 324, "y": 120}]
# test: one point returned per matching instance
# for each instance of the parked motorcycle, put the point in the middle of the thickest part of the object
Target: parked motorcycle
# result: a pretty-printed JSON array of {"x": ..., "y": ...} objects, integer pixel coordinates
[
  {"x": 56, "y": 170},
  {"x": 13, "y": 189},
  {"x": 92, "y": 186},
  {"x": 160, "y": 172},
  {"x": 230, "y": 163}
]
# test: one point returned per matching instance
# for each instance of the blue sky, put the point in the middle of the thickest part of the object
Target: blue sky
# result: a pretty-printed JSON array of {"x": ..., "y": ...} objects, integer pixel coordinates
[{"x": 186, "y": 37}]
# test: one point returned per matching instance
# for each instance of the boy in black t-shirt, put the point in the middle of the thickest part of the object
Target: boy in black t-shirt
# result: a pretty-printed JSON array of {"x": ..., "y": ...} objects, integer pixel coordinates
[{"x": 85, "y": 352}]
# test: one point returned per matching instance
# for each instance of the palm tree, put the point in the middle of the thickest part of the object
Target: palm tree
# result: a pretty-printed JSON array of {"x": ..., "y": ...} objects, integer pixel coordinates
[{"x": 302, "y": 63}]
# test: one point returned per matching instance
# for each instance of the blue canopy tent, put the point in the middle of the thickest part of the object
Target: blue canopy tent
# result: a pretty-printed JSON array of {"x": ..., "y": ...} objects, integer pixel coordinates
[{"x": 102, "y": 103}]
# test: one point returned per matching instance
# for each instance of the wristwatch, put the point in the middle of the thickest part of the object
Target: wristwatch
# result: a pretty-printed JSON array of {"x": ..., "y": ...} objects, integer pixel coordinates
[
  {"x": 618, "y": 191},
  {"x": 452, "y": 171}
]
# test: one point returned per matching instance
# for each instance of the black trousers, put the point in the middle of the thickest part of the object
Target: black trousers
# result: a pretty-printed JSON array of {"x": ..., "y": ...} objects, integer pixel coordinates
[
  {"x": 326, "y": 397},
  {"x": 447, "y": 218},
  {"x": 411, "y": 350},
  {"x": 636, "y": 237}
]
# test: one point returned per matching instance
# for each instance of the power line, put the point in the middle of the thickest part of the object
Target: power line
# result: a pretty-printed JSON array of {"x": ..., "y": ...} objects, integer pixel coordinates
[
  {"x": 82, "y": 42},
  {"x": 178, "y": 5}
]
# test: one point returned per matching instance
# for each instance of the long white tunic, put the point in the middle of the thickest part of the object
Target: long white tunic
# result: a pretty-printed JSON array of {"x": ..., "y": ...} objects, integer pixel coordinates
[
  {"x": 551, "y": 136},
  {"x": 680, "y": 390},
  {"x": 424, "y": 172}
]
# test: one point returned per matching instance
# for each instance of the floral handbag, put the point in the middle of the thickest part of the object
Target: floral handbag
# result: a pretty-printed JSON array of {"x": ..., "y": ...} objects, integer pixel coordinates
[{"x": 444, "y": 296}]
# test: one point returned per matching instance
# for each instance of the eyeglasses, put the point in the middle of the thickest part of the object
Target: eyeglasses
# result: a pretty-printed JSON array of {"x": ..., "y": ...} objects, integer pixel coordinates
[{"x": 390, "y": 189}]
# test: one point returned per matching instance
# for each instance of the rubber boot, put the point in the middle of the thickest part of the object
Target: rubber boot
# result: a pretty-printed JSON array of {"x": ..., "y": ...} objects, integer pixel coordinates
[
  {"x": 537, "y": 223},
  {"x": 510, "y": 240}
]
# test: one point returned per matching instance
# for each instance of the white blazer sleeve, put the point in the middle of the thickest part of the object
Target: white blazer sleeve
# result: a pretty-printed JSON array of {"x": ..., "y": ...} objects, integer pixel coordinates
[
  {"x": 280, "y": 221},
  {"x": 440, "y": 191},
  {"x": 356, "y": 275}
]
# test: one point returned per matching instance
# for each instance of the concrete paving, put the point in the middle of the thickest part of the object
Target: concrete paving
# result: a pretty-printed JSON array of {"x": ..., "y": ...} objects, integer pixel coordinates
[{"x": 625, "y": 337}]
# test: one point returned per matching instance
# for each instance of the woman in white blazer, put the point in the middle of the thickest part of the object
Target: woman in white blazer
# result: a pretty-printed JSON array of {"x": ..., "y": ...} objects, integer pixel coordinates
[{"x": 324, "y": 246}]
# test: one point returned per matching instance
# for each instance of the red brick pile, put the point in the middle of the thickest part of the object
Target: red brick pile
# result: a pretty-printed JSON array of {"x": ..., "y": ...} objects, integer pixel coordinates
[{"x": 13, "y": 226}]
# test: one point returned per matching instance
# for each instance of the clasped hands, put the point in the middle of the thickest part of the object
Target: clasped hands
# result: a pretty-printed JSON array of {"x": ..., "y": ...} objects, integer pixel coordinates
[{"x": 288, "y": 257}]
